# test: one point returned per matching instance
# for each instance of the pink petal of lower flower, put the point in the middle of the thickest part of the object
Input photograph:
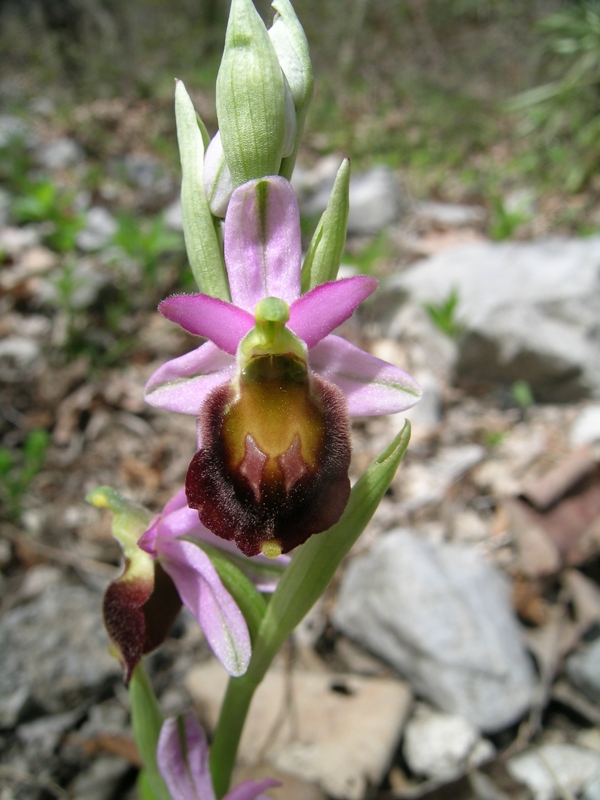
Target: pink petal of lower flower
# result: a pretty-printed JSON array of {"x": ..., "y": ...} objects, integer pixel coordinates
[
  {"x": 319, "y": 312},
  {"x": 262, "y": 242},
  {"x": 183, "y": 383},
  {"x": 251, "y": 790},
  {"x": 201, "y": 590},
  {"x": 371, "y": 386},
  {"x": 222, "y": 323},
  {"x": 184, "y": 764}
]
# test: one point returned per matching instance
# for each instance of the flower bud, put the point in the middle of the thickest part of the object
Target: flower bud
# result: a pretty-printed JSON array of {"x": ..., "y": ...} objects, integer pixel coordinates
[
  {"x": 291, "y": 48},
  {"x": 203, "y": 248},
  {"x": 250, "y": 97}
]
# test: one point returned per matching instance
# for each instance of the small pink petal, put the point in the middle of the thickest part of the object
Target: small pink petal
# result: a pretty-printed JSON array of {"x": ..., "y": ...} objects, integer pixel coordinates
[
  {"x": 183, "y": 383},
  {"x": 221, "y": 322},
  {"x": 184, "y": 765},
  {"x": 262, "y": 242},
  {"x": 251, "y": 790},
  {"x": 371, "y": 386},
  {"x": 316, "y": 314},
  {"x": 201, "y": 590}
]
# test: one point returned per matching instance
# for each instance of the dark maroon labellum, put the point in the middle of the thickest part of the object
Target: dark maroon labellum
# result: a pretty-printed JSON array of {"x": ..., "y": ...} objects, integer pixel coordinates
[
  {"x": 138, "y": 614},
  {"x": 273, "y": 467}
]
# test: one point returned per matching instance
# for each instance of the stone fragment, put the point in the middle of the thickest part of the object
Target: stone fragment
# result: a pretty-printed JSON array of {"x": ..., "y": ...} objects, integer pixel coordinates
[
  {"x": 100, "y": 227},
  {"x": 375, "y": 200},
  {"x": 553, "y": 771},
  {"x": 442, "y": 617},
  {"x": 586, "y": 427},
  {"x": 59, "y": 153},
  {"x": 442, "y": 746},
  {"x": 339, "y": 731},
  {"x": 583, "y": 670},
  {"x": 452, "y": 215},
  {"x": 101, "y": 780}
]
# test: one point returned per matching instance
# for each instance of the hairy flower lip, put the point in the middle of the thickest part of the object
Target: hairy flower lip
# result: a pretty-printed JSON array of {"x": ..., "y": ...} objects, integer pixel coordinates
[{"x": 275, "y": 477}]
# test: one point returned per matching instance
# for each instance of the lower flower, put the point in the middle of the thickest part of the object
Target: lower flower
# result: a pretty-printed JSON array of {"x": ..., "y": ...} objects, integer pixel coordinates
[
  {"x": 164, "y": 570},
  {"x": 182, "y": 758}
]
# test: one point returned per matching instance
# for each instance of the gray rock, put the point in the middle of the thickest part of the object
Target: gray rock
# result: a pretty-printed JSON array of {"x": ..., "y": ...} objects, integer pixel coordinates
[
  {"x": 100, "y": 227},
  {"x": 173, "y": 216},
  {"x": 14, "y": 128},
  {"x": 374, "y": 195},
  {"x": 374, "y": 201},
  {"x": 553, "y": 771},
  {"x": 55, "y": 653},
  {"x": 101, "y": 781},
  {"x": 529, "y": 311},
  {"x": 442, "y": 746},
  {"x": 583, "y": 669},
  {"x": 441, "y": 616},
  {"x": 586, "y": 428},
  {"x": 146, "y": 172},
  {"x": 60, "y": 153},
  {"x": 452, "y": 215}
]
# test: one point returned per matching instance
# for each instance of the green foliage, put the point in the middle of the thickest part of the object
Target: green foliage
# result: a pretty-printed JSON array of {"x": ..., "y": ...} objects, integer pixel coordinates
[
  {"x": 504, "y": 221},
  {"x": 493, "y": 438},
  {"x": 147, "y": 242},
  {"x": 18, "y": 471},
  {"x": 564, "y": 114},
  {"x": 443, "y": 315},
  {"x": 368, "y": 259},
  {"x": 522, "y": 394},
  {"x": 15, "y": 163},
  {"x": 42, "y": 201}
]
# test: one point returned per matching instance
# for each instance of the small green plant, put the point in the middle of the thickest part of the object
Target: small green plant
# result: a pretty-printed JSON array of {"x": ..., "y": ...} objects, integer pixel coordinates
[
  {"x": 493, "y": 438},
  {"x": 504, "y": 220},
  {"x": 522, "y": 394},
  {"x": 42, "y": 201},
  {"x": 17, "y": 472},
  {"x": 147, "y": 242},
  {"x": 443, "y": 315}
]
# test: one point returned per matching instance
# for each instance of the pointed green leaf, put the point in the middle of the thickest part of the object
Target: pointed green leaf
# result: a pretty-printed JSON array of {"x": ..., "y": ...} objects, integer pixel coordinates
[
  {"x": 201, "y": 241},
  {"x": 250, "y": 97},
  {"x": 326, "y": 248}
]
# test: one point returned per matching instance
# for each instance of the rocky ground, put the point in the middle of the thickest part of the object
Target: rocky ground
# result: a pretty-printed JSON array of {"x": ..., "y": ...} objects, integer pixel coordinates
[{"x": 456, "y": 656}]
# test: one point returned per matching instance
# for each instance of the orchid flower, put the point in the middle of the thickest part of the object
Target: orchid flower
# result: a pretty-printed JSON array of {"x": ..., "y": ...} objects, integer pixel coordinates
[
  {"x": 182, "y": 758},
  {"x": 162, "y": 571},
  {"x": 273, "y": 388}
]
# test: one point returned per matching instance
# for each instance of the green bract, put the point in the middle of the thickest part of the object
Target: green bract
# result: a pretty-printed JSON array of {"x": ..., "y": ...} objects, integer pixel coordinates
[
  {"x": 201, "y": 240},
  {"x": 251, "y": 105},
  {"x": 325, "y": 251},
  {"x": 291, "y": 48}
]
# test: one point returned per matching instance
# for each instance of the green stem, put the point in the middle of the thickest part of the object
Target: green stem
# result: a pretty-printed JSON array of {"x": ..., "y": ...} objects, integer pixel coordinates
[
  {"x": 146, "y": 721},
  {"x": 228, "y": 733},
  {"x": 303, "y": 582}
]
